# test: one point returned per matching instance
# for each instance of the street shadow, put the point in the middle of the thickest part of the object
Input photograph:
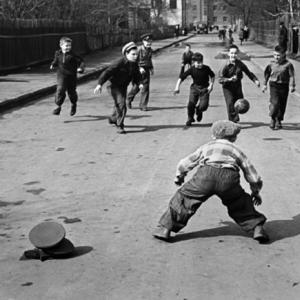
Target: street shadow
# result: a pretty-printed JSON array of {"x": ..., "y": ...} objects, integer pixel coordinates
[
  {"x": 89, "y": 118},
  {"x": 285, "y": 126},
  {"x": 165, "y": 108},
  {"x": 149, "y": 128},
  {"x": 276, "y": 229},
  {"x": 78, "y": 251}
]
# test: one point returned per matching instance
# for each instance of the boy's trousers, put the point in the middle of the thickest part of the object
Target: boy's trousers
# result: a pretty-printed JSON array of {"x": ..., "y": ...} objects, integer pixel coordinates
[
  {"x": 145, "y": 92},
  {"x": 232, "y": 92},
  {"x": 119, "y": 111},
  {"x": 278, "y": 100},
  {"x": 66, "y": 84},
  {"x": 209, "y": 181},
  {"x": 200, "y": 94}
]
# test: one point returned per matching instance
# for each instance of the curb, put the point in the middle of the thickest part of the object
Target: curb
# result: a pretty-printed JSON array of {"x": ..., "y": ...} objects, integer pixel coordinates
[{"x": 33, "y": 96}]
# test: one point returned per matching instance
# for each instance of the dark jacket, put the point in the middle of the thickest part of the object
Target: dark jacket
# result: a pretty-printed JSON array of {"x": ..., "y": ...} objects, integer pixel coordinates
[
  {"x": 145, "y": 57},
  {"x": 187, "y": 58},
  {"x": 67, "y": 63},
  {"x": 237, "y": 69},
  {"x": 120, "y": 73}
]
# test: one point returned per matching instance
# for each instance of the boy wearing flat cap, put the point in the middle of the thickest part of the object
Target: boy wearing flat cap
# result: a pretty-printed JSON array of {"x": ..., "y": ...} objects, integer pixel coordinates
[
  {"x": 203, "y": 80},
  {"x": 219, "y": 162},
  {"x": 146, "y": 69},
  {"x": 119, "y": 74}
]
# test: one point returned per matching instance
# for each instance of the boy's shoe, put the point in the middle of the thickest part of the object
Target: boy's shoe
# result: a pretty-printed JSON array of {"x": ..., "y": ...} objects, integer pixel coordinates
[
  {"x": 272, "y": 124},
  {"x": 199, "y": 116},
  {"x": 260, "y": 235},
  {"x": 162, "y": 233},
  {"x": 111, "y": 121},
  {"x": 56, "y": 111},
  {"x": 129, "y": 105},
  {"x": 73, "y": 109},
  {"x": 278, "y": 125},
  {"x": 189, "y": 122}
]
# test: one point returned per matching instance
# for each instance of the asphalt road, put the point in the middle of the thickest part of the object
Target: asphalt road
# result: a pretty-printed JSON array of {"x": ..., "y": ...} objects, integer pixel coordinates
[{"x": 61, "y": 167}]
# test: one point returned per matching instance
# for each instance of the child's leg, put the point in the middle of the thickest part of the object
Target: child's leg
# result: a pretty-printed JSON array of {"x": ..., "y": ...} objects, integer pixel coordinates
[
  {"x": 72, "y": 93},
  {"x": 202, "y": 105},
  {"x": 61, "y": 89},
  {"x": 181, "y": 209},
  {"x": 130, "y": 97},
  {"x": 231, "y": 95},
  {"x": 145, "y": 91},
  {"x": 284, "y": 91},
  {"x": 274, "y": 101},
  {"x": 120, "y": 108},
  {"x": 193, "y": 99},
  {"x": 241, "y": 208}
]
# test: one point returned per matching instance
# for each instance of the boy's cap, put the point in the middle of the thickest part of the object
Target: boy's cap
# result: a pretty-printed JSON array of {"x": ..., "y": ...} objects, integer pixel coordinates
[
  {"x": 46, "y": 234},
  {"x": 65, "y": 39},
  {"x": 128, "y": 47},
  {"x": 225, "y": 129},
  {"x": 146, "y": 37},
  {"x": 197, "y": 56}
]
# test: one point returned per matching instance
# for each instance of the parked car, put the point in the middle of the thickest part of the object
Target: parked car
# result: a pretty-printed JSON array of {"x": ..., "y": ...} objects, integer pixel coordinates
[{"x": 202, "y": 28}]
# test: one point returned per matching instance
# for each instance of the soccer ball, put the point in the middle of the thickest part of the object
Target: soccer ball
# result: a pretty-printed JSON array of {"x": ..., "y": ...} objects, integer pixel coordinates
[{"x": 241, "y": 106}]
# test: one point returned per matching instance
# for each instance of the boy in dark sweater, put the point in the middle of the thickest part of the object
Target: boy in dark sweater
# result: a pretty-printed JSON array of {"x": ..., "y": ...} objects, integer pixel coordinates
[
  {"x": 203, "y": 80},
  {"x": 68, "y": 64}
]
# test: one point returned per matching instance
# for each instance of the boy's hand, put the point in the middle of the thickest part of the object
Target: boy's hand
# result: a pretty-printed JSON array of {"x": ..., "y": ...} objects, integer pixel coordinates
[
  {"x": 51, "y": 67},
  {"x": 293, "y": 89},
  {"x": 176, "y": 92},
  {"x": 210, "y": 88},
  {"x": 142, "y": 70},
  {"x": 256, "y": 199},
  {"x": 233, "y": 78},
  {"x": 141, "y": 86},
  {"x": 179, "y": 179},
  {"x": 80, "y": 70},
  {"x": 257, "y": 83},
  {"x": 264, "y": 88},
  {"x": 98, "y": 89}
]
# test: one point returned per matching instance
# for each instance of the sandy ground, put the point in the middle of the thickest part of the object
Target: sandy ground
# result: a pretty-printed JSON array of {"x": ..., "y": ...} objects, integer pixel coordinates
[{"x": 59, "y": 168}]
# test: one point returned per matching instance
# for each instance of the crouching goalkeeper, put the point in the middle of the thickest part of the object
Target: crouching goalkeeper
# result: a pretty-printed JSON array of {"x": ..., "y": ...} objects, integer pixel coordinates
[{"x": 219, "y": 162}]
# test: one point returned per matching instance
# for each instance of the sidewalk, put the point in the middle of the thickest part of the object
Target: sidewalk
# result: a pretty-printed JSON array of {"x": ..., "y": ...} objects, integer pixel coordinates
[{"x": 36, "y": 82}]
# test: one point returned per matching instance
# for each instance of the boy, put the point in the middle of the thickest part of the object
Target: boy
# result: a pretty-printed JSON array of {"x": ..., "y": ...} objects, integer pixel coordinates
[
  {"x": 230, "y": 76},
  {"x": 279, "y": 73},
  {"x": 203, "y": 80},
  {"x": 186, "y": 58},
  {"x": 146, "y": 68},
  {"x": 120, "y": 74},
  {"x": 219, "y": 162},
  {"x": 68, "y": 64}
]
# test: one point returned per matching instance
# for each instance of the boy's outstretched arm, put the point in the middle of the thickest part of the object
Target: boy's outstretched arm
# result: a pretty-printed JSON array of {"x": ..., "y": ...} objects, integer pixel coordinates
[
  {"x": 187, "y": 164},
  {"x": 177, "y": 87}
]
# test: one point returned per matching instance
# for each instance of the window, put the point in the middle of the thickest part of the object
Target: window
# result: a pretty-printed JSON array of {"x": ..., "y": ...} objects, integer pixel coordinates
[
  {"x": 215, "y": 7},
  {"x": 173, "y": 4},
  {"x": 224, "y": 19}
]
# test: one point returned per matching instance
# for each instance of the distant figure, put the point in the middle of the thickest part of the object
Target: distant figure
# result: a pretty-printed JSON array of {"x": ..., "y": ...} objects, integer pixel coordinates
[
  {"x": 176, "y": 32},
  {"x": 146, "y": 69},
  {"x": 246, "y": 33},
  {"x": 241, "y": 36},
  {"x": 283, "y": 36},
  {"x": 295, "y": 39},
  {"x": 68, "y": 64},
  {"x": 186, "y": 59}
]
